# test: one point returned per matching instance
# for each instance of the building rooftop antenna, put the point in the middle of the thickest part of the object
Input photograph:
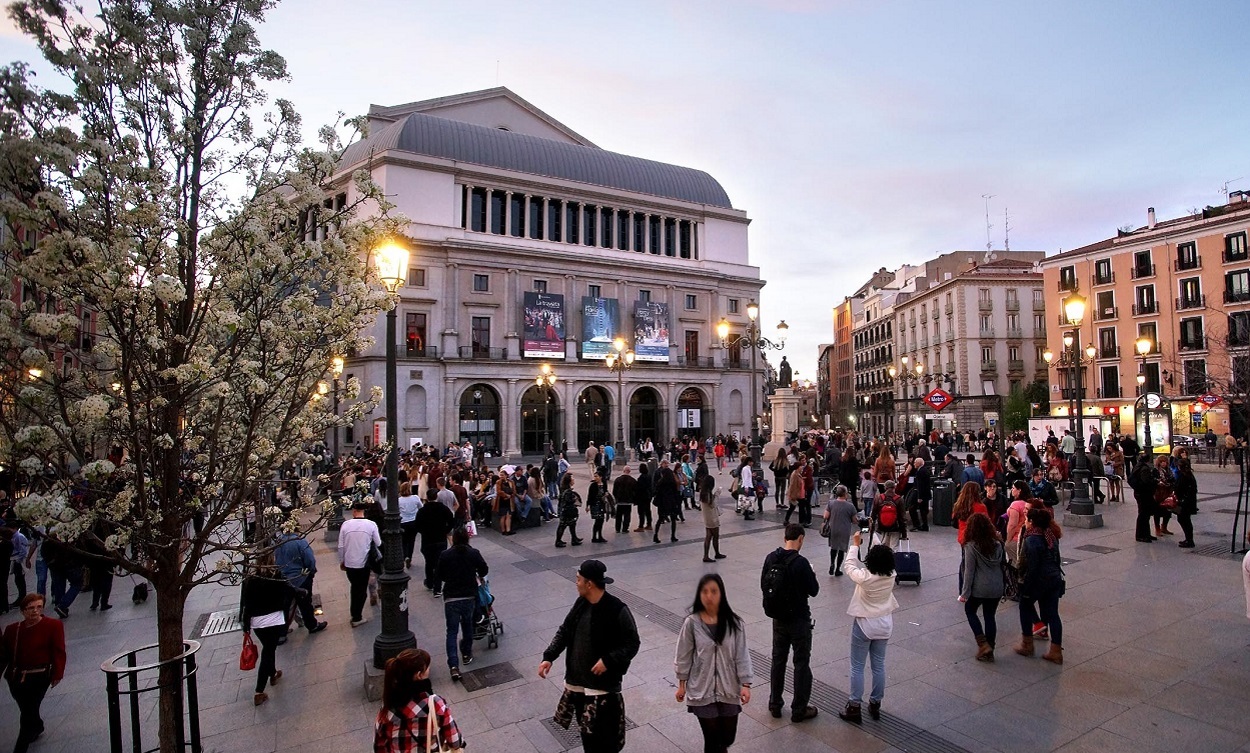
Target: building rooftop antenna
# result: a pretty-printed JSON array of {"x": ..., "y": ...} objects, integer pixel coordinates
[
  {"x": 1006, "y": 230},
  {"x": 989, "y": 244},
  {"x": 1225, "y": 189}
]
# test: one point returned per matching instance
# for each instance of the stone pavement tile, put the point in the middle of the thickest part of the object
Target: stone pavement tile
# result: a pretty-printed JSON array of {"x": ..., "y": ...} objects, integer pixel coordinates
[
  {"x": 901, "y": 665},
  {"x": 681, "y": 728},
  {"x": 356, "y": 739},
  {"x": 1230, "y": 676},
  {"x": 643, "y": 739},
  {"x": 1108, "y": 683},
  {"x": 1171, "y": 731},
  {"x": 647, "y": 703},
  {"x": 1198, "y": 702},
  {"x": 922, "y": 704},
  {"x": 1198, "y": 638},
  {"x": 970, "y": 682},
  {"x": 835, "y": 734},
  {"x": 967, "y": 743},
  {"x": 260, "y": 738},
  {"x": 1137, "y": 660},
  {"x": 1102, "y": 741},
  {"x": 1071, "y": 708},
  {"x": 1105, "y": 592},
  {"x": 1012, "y": 730},
  {"x": 316, "y": 725},
  {"x": 516, "y": 705}
]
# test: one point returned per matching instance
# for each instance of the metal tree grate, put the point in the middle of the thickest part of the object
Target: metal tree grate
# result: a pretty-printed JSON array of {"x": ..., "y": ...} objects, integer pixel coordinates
[
  {"x": 217, "y": 623},
  {"x": 495, "y": 674},
  {"x": 1219, "y": 550},
  {"x": 1097, "y": 549}
]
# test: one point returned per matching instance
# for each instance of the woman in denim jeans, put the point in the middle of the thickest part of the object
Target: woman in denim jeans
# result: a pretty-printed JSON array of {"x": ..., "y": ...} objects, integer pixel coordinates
[{"x": 872, "y": 606}]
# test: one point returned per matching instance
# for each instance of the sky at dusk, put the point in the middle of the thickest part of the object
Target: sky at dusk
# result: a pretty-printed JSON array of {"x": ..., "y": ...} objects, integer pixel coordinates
[{"x": 854, "y": 134}]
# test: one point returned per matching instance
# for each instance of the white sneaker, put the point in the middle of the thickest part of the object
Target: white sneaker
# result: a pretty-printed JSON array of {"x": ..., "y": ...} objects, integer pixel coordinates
[{"x": 357, "y": 623}]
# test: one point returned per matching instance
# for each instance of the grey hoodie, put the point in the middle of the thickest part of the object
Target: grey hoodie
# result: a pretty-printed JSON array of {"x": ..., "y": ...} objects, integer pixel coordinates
[
  {"x": 983, "y": 576},
  {"x": 713, "y": 672}
]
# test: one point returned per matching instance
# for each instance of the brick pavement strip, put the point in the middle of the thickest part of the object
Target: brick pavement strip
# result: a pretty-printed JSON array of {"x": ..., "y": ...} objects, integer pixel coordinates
[{"x": 1155, "y": 637}]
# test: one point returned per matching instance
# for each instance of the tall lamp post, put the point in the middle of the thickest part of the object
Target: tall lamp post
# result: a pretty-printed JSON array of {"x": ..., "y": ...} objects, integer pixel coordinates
[
  {"x": 1081, "y": 509},
  {"x": 392, "y": 263},
  {"x": 1144, "y": 348},
  {"x": 336, "y": 368},
  {"x": 545, "y": 381},
  {"x": 753, "y": 340},
  {"x": 905, "y": 376},
  {"x": 619, "y": 361}
]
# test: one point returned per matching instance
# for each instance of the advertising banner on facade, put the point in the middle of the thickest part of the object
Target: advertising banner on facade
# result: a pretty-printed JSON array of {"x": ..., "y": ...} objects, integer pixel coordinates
[
  {"x": 544, "y": 326},
  {"x": 651, "y": 331},
  {"x": 601, "y": 324}
]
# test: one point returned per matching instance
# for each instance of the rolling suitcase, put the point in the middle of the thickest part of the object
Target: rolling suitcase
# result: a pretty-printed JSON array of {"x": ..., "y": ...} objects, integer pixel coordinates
[{"x": 906, "y": 564}]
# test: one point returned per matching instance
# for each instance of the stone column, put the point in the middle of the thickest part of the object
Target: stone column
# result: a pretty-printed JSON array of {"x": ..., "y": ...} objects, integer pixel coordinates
[
  {"x": 568, "y": 391},
  {"x": 507, "y": 210},
  {"x": 487, "y": 227},
  {"x": 451, "y": 413},
  {"x": 509, "y": 422}
]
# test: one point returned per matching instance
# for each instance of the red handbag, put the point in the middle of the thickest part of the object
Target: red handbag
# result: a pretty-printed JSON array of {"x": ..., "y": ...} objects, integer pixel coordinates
[{"x": 249, "y": 655}]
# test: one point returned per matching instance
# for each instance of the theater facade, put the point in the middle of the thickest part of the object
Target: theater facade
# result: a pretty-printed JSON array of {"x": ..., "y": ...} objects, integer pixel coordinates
[{"x": 531, "y": 251}]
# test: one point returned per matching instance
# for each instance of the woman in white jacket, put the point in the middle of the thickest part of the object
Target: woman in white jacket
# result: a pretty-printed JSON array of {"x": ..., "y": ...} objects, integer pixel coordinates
[
  {"x": 872, "y": 606},
  {"x": 713, "y": 665}
]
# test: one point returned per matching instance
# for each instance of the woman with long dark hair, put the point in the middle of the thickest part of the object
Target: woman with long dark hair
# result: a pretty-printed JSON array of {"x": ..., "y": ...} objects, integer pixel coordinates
[
  {"x": 781, "y": 473},
  {"x": 872, "y": 606},
  {"x": 1041, "y": 585},
  {"x": 713, "y": 665},
  {"x": 711, "y": 518},
  {"x": 1186, "y": 501},
  {"x": 982, "y": 581},
  {"x": 570, "y": 504},
  {"x": 407, "y": 700},
  {"x": 969, "y": 503}
]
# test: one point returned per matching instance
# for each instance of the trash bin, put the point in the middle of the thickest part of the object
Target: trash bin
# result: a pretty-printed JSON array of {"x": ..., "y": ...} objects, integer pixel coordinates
[{"x": 943, "y": 502}]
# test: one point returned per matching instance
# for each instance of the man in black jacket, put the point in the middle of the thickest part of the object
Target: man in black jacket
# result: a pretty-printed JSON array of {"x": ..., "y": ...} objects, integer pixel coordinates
[
  {"x": 919, "y": 492},
  {"x": 792, "y": 622},
  {"x": 433, "y": 525},
  {"x": 602, "y": 639},
  {"x": 623, "y": 489},
  {"x": 458, "y": 571},
  {"x": 642, "y": 498}
]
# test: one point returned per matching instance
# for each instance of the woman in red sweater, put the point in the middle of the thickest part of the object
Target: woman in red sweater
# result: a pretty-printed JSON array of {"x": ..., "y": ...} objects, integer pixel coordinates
[
  {"x": 32, "y": 659},
  {"x": 968, "y": 504}
]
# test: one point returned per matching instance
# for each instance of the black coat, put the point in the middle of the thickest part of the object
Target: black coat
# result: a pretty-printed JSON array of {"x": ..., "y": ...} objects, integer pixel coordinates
[
  {"x": 613, "y": 638},
  {"x": 667, "y": 493},
  {"x": 642, "y": 490}
]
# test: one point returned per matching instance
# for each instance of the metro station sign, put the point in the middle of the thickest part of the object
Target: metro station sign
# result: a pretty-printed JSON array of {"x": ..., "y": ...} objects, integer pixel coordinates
[
  {"x": 1209, "y": 400},
  {"x": 938, "y": 399}
]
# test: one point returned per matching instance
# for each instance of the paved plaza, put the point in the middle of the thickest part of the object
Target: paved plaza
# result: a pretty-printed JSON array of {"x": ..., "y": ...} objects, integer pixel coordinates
[{"x": 1155, "y": 652}]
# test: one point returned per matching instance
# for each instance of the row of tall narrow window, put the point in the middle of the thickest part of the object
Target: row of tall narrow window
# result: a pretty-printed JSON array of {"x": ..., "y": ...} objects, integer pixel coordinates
[{"x": 520, "y": 215}]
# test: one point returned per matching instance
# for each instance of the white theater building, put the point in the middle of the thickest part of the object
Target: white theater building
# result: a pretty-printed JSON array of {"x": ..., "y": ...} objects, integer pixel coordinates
[{"x": 516, "y": 218}]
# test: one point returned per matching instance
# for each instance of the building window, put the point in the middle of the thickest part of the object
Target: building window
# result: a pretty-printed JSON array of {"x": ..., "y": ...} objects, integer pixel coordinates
[
  {"x": 573, "y": 214},
  {"x": 1067, "y": 279},
  {"x": 1143, "y": 266},
  {"x": 1039, "y": 324},
  {"x": 594, "y": 291},
  {"x": 653, "y": 232},
  {"x": 1102, "y": 272},
  {"x": 1038, "y": 352},
  {"x": 1187, "y": 256},
  {"x": 606, "y": 216},
  {"x": 1110, "y": 382},
  {"x": 498, "y": 201},
  {"x": 477, "y": 210},
  {"x": 735, "y": 353},
  {"x": 1191, "y": 334},
  {"x": 684, "y": 234},
  {"x": 1237, "y": 286},
  {"x": 536, "y": 218},
  {"x": 416, "y": 277},
  {"x": 622, "y": 230},
  {"x": 1013, "y": 298},
  {"x": 1013, "y": 324},
  {"x": 640, "y": 232},
  {"x": 481, "y": 283},
  {"x": 987, "y": 354},
  {"x": 590, "y": 216},
  {"x": 1239, "y": 329},
  {"x": 1195, "y": 377},
  {"x": 1191, "y": 294},
  {"x": 692, "y": 302},
  {"x": 1150, "y": 331},
  {"x": 1235, "y": 247},
  {"x": 516, "y": 216},
  {"x": 1013, "y": 353},
  {"x": 1106, "y": 305},
  {"x": 733, "y": 305},
  {"x": 1145, "y": 300},
  {"x": 987, "y": 325},
  {"x": 1106, "y": 343},
  {"x": 1151, "y": 373},
  {"x": 414, "y": 334},
  {"x": 692, "y": 346},
  {"x": 644, "y": 296},
  {"x": 540, "y": 286},
  {"x": 87, "y": 335},
  {"x": 1039, "y": 298},
  {"x": 481, "y": 335},
  {"x": 555, "y": 215}
]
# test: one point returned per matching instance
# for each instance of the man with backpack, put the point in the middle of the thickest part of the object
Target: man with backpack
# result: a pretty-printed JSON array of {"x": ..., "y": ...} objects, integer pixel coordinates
[
  {"x": 887, "y": 517},
  {"x": 787, "y": 582}
]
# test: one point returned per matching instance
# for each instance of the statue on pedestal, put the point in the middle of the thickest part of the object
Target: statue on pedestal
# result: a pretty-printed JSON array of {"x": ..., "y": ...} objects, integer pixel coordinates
[{"x": 784, "y": 375}]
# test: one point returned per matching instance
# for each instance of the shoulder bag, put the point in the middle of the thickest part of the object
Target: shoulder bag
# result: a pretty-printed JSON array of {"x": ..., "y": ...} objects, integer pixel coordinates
[
  {"x": 249, "y": 655},
  {"x": 433, "y": 741}
]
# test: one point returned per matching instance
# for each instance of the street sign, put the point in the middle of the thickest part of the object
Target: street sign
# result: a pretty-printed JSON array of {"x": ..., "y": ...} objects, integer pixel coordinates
[
  {"x": 1209, "y": 400},
  {"x": 938, "y": 399}
]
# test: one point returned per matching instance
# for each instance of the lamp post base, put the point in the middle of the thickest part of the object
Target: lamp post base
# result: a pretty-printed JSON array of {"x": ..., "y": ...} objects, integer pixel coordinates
[{"x": 1081, "y": 514}]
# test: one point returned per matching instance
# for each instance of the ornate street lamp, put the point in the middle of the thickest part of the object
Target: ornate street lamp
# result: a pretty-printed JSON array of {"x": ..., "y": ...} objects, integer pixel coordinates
[
  {"x": 1081, "y": 508},
  {"x": 753, "y": 341},
  {"x": 545, "y": 381},
  {"x": 392, "y": 263},
  {"x": 1145, "y": 348},
  {"x": 618, "y": 362}
]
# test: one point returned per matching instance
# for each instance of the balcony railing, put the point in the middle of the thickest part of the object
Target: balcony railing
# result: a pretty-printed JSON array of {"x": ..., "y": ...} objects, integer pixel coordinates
[
  {"x": 1013, "y": 304},
  {"x": 419, "y": 351},
  {"x": 1235, "y": 255},
  {"x": 1193, "y": 343},
  {"x": 696, "y": 362},
  {"x": 1109, "y": 392},
  {"x": 950, "y": 308},
  {"x": 936, "y": 314},
  {"x": 1145, "y": 309},
  {"x": 1109, "y": 351},
  {"x": 1039, "y": 304},
  {"x": 1104, "y": 279},
  {"x": 989, "y": 366},
  {"x": 1108, "y": 312},
  {"x": 1015, "y": 333},
  {"x": 1180, "y": 265},
  {"x": 1237, "y": 296},
  {"x": 1143, "y": 270},
  {"x": 950, "y": 336},
  {"x": 1191, "y": 302},
  {"x": 1016, "y": 366},
  {"x": 987, "y": 333},
  {"x": 1067, "y": 285},
  {"x": 1069, "y": 393},
  {"x": 985, "y": 304},
  {"x": 479, "y": 353}
]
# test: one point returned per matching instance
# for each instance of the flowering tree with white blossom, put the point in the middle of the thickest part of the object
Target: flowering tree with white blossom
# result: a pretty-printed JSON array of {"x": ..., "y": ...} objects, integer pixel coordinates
[{"x": 162, "y": 199}]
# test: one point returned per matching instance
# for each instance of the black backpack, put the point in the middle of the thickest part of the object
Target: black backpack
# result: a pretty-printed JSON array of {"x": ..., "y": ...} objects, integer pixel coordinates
[{"x": 775, "y": 585}]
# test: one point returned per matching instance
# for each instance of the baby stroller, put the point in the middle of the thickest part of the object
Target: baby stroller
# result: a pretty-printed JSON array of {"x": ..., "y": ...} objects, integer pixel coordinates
[{"x": 486, "y": 624}]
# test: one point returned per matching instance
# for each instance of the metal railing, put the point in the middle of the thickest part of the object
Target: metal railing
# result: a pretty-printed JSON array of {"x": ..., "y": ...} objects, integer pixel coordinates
[
  {"x": 478, "y": 353},
  {"x": 1237, "y": 296},
  {"x": 1015, "y": 365},
  {"x": 1196, "y": 343},
  {"x": 425, "y": 351},
  {"x": 1106, "y": 279},
  {"x": 1013, "y": 304},
  {"x": 1109, "y": 351},
  {"x": 1143, "y": 270},
  {"x": 1109, "y": 312},
  {"x": 125, "y": 676},
  {"x": 1180, "y": 265},
  {"x": 1144, "y": 309},
  {"x": 1191, "y": 302}
]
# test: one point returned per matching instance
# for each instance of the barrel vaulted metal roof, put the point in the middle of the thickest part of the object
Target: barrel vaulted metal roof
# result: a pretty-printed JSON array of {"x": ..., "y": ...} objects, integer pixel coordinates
[{"x": 492, "y": 147}]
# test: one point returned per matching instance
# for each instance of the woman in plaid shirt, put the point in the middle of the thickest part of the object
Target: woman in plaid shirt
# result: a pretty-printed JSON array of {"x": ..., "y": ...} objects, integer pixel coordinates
[{"x": 407, "y": 696}]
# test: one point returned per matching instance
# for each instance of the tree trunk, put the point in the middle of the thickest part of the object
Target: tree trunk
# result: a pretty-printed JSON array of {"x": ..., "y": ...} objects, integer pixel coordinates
[{"x": 170, "y": 604}]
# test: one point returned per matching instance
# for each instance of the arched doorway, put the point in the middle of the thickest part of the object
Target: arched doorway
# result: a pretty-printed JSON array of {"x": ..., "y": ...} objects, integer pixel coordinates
[
  {"x": 644, "y": 417},
  {"x": 479, "y": 417},
  {"x": 693, "y": 414},
  {"x": 594, "y": 417},
  {"x": 540, "y": 420}
]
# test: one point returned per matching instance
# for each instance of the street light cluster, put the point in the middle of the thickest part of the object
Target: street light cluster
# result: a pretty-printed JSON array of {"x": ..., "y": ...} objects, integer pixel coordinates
[
  {"x": 1072, "y": 358},
  {"x": 618, "y": 361},
  {"x": 753, "y": 341}
]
